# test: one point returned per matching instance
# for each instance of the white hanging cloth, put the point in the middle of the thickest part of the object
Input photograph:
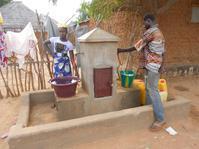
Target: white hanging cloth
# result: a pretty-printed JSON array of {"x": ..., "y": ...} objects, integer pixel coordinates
[{"x": 21, "y": 44}]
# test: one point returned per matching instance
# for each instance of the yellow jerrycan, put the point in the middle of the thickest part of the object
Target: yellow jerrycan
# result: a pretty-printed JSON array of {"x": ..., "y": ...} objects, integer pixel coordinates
[
  {"x": 141, "y": 86},
  {"x": 162, "y": 87}
]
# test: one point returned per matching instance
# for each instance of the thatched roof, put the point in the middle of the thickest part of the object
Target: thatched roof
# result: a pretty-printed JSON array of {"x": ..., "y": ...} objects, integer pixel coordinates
[{"x": 16, "y": 16}]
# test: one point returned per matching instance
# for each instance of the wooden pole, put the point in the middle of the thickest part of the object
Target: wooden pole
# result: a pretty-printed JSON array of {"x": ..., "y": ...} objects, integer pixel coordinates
[
  {"x": 9, "y": 92},
  {"x": 20, "y": 80},
  {"x": 42, "y": 51},
  {"x": 25, "y": 82},
  {"x": 29, "y": 78},
  {"x": 7, "y": 76},
  {"x": 16, "y": 80},
  {"x": 40, "y": 84},
  {"x": 1, "y": 96},
  {"x": 38, "y": 76},
  {"x": 13, "y": 87}
]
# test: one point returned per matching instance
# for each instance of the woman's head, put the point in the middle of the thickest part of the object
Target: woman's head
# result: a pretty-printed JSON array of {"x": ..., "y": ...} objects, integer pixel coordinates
[{"x": 63, "y": 32}]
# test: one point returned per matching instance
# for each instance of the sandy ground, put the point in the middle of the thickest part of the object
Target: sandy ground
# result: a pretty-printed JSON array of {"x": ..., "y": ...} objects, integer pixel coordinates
[
  {"x": 188, "y": 130},
  {"x": 42, "y": 114},
  {"x": 9, "y": 109}
]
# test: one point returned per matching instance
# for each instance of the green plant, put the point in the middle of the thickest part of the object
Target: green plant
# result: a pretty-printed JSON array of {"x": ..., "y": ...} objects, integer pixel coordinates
[
  {"x": 3, "y": 2},
  {"x": 83, "y": 11},
  {"x": 103, "y": 9}
]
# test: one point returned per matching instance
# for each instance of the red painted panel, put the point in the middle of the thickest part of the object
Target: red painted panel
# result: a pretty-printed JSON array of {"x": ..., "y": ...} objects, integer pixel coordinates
[{"x": 103, "y": 79}]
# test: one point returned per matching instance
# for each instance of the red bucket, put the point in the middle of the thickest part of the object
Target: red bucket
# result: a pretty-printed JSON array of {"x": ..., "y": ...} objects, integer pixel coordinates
[{"x": 64, "y": 86}]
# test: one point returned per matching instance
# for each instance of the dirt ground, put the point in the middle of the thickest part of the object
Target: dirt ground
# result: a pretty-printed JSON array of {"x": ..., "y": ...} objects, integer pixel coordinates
[
  {"x": 188, "y": 130},
  {"x": 42, "y": 114}
]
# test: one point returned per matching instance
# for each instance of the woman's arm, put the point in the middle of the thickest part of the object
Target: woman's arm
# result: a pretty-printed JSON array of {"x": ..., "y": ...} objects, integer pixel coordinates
[
  {"x": 46, "y": 45},
  {"x": 73, "y": 63}
]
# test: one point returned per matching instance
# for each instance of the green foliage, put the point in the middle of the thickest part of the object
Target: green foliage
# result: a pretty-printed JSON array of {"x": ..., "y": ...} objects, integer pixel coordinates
[
  {"x": 3, "y": 2},
  {"x": 103, "y": 9},
  {"x": 98, "y": 9},
  {"x": 83, "y": 11}
]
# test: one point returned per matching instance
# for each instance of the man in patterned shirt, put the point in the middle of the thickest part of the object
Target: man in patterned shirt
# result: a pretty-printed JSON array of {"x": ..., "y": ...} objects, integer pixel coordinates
[
  {"x": 152, "y": 51},
  {"x": 152, "y": 60}
]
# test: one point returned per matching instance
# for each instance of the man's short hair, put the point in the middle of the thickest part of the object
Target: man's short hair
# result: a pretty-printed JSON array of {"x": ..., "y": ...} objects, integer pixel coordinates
[{"x": 149, "y": 16}]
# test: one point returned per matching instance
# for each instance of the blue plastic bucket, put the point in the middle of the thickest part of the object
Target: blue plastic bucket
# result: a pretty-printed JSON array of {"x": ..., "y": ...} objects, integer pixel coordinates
[{"x": 127, "y": 77}]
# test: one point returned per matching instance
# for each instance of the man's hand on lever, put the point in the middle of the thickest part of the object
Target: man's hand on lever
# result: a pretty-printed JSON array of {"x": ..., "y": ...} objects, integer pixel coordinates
[{"x": 131, "y": 49}]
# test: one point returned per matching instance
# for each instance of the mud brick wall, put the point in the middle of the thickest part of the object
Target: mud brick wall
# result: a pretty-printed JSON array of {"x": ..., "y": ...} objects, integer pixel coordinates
[
  {"x": 182, "y": 39},
  {"x": 182, "y": 70}
]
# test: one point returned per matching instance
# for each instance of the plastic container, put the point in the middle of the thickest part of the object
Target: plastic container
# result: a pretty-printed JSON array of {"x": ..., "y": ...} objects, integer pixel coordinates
[
  {"x": 141, "y": 86},
  {"x": 127, "y": 77},
  {"x": 64, "y": 86},
  {"x": 163, "y": 96},
  {"x": 162, "y": 87}
]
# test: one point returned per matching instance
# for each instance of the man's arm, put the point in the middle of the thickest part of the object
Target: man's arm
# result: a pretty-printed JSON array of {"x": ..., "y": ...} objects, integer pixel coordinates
[
  {"x": 130, "y": 49},
  {"x": 46, "y": 45}
]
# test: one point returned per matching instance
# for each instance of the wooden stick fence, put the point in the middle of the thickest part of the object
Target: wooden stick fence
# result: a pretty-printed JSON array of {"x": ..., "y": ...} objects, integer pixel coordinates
[
  {"x": 33, "y": 76},
  {"x": 14, "y": 81}
]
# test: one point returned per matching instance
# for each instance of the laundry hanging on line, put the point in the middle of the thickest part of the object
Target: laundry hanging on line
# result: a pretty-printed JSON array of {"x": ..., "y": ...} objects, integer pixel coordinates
[
  {"x": 21, "y": 44},
  {"x": 3, "y": 58}
]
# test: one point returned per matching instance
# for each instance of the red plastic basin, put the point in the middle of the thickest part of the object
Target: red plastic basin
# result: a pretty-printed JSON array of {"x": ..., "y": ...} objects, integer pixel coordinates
[{"x": 64, "y": 86}]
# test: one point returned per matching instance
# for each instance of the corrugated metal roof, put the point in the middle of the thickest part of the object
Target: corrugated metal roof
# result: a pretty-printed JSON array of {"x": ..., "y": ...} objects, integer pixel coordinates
[{"x": 16, "y": 16}]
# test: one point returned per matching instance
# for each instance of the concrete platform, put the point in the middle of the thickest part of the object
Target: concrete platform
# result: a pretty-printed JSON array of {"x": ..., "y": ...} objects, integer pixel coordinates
[
  {"x": 65, "y": 134},
  {"x": 82, "y": 104}
]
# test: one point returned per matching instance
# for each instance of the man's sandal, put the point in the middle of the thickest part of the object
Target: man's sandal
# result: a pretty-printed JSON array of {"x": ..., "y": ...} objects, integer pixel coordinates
[{"x": 157, "y": 126}]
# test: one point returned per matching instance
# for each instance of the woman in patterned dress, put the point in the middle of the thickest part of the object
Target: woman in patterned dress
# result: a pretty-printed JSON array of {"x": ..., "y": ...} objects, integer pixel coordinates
[{"x": 61, "y": 47}]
